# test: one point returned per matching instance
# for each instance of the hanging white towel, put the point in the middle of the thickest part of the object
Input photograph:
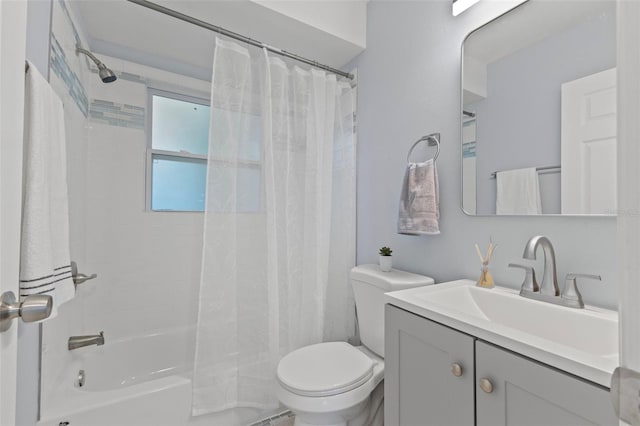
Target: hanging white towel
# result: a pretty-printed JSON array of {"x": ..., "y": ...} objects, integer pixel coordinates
[
  {"x": 420, "y": 200},
  {"x": 45, "y": 266},
  {"x": 518, "y": 192}
]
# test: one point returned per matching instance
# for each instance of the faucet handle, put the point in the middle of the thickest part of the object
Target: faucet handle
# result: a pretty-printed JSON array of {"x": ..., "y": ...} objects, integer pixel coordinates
[
  {"x": 570, "y": 294},
  {"x": 529, "y": 285}
]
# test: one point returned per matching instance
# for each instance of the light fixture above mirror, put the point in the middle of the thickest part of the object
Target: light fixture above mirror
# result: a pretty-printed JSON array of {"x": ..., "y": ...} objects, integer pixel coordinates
[{"x": 460, "y": 6}]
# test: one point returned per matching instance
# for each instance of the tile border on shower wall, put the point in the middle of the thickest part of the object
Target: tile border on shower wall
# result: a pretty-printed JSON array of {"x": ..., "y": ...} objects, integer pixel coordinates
[
  {"x": 61, "y": 68},
  {"x": 116, "y": 114},
  {"x": 74, "y": 29},
  {"x": 469, "y": 147}
]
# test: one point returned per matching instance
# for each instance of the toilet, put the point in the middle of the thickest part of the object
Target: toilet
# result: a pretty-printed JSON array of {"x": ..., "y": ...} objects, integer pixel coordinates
[{"x": 335, "y": 383}]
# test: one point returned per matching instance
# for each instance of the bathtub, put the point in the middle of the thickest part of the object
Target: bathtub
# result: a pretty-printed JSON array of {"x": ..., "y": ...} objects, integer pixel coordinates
[{"x": 144, "y": 381}]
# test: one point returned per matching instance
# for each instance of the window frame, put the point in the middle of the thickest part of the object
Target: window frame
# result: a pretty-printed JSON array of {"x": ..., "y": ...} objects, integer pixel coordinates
[{"x": 150, "y": 151}]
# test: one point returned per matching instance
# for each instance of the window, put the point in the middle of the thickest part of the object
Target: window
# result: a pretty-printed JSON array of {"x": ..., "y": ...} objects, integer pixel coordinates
[
  {"x": 178, "y": 144},
  {"x": 177, "y": 152}
]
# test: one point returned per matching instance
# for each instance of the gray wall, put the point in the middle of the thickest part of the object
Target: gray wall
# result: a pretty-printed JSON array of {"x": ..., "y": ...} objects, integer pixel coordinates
[
  {"x": 409, "y": 85},
  {"x": 519, "y": 121}
]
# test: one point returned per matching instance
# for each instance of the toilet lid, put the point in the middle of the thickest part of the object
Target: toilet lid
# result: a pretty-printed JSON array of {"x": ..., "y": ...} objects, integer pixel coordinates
[{"x": 324, "y": 369}]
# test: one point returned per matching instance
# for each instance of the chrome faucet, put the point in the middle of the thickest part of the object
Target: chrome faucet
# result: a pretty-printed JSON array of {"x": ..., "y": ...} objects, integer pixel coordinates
[
  {"x": 548, "y": 290},
  {"x": 550, "y": 275},
  {"x": 76, "y": 342}
]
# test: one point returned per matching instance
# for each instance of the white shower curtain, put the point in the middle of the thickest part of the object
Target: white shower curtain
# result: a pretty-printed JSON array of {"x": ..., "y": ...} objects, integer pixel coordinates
[{"x": 279, "y": 224}]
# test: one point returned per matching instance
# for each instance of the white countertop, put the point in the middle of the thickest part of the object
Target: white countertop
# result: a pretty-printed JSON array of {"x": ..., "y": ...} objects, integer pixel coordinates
[{"x": 582, "y": 342}]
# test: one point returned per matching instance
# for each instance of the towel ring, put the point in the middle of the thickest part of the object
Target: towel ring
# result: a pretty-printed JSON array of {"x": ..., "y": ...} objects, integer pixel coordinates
[{"x": 433, "y": 138}]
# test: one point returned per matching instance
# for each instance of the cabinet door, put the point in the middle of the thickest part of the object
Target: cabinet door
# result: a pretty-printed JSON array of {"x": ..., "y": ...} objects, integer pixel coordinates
[
  {"x": 528, "y": 393},
  {"x": 420, "y": 388}
]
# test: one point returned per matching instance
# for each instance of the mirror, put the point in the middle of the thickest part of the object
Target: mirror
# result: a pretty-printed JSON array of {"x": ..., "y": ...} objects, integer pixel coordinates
[{"x": 539, "y": 111}]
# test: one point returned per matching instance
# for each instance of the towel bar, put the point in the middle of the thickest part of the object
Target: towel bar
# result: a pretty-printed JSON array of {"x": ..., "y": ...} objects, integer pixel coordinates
[
  {"x": 548, "y": 169},
  {"x": 78, "y": 277},
  {"x": 433, "y": 139}
]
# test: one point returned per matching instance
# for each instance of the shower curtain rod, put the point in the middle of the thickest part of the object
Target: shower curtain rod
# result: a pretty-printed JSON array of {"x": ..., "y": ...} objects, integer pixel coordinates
[{"x": 240, "y": 37}]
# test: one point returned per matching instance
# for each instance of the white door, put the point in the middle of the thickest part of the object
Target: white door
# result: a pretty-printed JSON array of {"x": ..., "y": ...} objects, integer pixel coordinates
[
  {"x": 13, "y": 20},
  {"x": 588, "y": 144}
]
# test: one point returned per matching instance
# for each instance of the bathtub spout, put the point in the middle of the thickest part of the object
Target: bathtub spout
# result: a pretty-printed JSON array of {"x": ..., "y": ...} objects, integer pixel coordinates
[{"x": 76, "y": 342}]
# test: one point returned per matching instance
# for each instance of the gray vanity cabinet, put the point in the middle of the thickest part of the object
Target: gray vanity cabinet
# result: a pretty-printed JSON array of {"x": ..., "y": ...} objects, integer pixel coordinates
[
  {"x": 423, "y": 385},
  {"x": 494, "y": 387},
  {"x": 524, "y": 392}
]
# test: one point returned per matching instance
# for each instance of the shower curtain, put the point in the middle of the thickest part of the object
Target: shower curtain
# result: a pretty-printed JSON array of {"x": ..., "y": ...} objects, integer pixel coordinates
[{"x": 279, "y": 236}]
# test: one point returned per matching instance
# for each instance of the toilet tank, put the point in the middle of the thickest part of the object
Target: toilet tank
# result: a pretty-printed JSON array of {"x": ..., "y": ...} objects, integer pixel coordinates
[{"x": 369, "y": 285}]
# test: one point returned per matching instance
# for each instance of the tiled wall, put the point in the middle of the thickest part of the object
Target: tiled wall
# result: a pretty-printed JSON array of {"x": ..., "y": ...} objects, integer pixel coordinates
[
  {"x": 469, "y": 138},
  {"x": 61, "y": 68},
  {"x": 116, "y": 114},
  {"x": 148, "y": 263},
  {"x": 69, "y": 77}
]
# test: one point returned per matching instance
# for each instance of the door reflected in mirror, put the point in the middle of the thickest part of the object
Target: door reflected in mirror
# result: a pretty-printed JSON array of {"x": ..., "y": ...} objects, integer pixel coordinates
[{"x": 539, "y": 111}]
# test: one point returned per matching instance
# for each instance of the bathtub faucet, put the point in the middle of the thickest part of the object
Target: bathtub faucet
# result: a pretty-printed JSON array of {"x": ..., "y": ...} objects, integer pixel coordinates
[{"x": 76, "y": 342}]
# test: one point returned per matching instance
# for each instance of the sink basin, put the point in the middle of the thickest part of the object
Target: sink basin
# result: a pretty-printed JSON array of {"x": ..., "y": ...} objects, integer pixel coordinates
[
  {"x": 583, "y": 342},
  {"x": 584, "y": 330}
]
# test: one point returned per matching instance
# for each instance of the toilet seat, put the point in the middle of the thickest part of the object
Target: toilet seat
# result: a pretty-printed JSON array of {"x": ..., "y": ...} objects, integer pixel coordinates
[{"x": 324, "y": 369}]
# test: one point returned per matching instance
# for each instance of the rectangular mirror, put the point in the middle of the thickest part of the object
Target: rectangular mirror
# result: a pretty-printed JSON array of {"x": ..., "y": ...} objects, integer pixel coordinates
[{"x": 539, "y": 111}]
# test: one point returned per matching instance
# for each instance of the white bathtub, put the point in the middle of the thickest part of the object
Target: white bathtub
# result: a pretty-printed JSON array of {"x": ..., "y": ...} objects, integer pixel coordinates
[{"x": 135, "y": 382}]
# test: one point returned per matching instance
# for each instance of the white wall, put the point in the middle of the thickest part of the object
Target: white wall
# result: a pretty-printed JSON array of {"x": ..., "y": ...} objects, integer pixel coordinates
[
  {"x": 147, "y": 262},
  {"x": 629, "y": 190},
  {"x": 409, "y": 85},
  {"x": 344, "y": 19}
]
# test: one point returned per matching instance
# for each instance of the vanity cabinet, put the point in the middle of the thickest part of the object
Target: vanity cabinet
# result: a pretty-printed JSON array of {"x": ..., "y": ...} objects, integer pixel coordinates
[
  {"x": 422, "y": 383},
  {"x": 525, "y": 392},
  {"x": 494, "y": 386}
]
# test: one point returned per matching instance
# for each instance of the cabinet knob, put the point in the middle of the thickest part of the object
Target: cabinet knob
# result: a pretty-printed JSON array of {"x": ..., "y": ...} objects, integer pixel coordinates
[
  {"x": 486, "y": 385},
  {"x": 456, "y": 369}
]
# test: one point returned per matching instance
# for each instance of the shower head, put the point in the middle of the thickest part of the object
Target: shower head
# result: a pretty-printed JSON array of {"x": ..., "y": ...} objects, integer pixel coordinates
[{"x": 106, "y": 75}]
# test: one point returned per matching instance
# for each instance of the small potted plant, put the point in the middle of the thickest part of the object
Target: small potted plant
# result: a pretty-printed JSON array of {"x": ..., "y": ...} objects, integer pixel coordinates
[{"x": 385, "y": 259}]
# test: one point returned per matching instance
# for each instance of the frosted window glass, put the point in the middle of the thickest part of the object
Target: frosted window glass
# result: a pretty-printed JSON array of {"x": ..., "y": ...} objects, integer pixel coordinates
[
  {"x": 178, "y": 184},
  {"x": 180, "y": 126},
  {"x": 180, "y": 130}
]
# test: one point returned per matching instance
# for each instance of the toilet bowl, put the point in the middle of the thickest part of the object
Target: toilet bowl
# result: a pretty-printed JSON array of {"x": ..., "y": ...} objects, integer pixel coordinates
[
  {"x": 329, "y": 383},
  {"x": 335, "y": 383}
]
